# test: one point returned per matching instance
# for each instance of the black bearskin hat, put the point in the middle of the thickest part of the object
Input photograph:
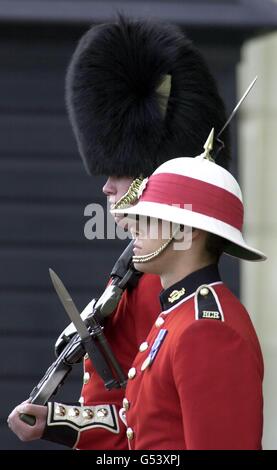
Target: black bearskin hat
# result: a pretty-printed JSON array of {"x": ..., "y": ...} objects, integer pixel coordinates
[{"x": 121, "y": 123}]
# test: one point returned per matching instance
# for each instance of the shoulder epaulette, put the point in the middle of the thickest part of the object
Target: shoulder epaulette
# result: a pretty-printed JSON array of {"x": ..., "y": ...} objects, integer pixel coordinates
[{"x": 207, "y": 305}]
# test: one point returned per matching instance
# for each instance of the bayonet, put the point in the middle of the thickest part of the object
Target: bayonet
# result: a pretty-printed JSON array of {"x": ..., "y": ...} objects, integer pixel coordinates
[
  {"x": 99, "y": 352},
  {"x": 69, "y": 306}
]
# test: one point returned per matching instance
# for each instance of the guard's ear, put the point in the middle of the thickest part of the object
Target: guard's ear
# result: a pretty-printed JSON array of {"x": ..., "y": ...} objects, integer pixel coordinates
[{"x": 182, "y": 237}]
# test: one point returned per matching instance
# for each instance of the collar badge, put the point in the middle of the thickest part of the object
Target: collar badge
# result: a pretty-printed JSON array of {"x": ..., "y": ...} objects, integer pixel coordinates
[{"x": 176, "y": 294}]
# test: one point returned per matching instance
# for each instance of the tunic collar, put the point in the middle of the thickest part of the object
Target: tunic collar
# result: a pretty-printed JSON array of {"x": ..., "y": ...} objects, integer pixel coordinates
[{"x": 187, "y": 286}]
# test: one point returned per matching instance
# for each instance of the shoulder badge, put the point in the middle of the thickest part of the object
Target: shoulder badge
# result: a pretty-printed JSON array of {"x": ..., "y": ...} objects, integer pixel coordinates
[{"x": 207, "y": 305}]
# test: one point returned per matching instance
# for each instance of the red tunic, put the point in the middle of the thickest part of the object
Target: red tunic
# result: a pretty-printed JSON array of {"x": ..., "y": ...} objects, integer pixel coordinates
[
  {"x": 203, "y": 389},
  {"x": 125, "y": 330}
]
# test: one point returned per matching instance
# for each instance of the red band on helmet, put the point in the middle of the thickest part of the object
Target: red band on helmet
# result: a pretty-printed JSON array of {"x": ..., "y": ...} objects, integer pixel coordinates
[{"x": 205, "y": 198}]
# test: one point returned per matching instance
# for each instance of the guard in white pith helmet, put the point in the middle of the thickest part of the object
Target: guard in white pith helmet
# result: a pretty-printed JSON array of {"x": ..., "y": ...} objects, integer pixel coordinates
[{"x": 196, "y": 382}]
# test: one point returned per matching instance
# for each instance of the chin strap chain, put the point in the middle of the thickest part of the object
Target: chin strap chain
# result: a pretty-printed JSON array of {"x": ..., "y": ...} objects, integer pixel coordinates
[
  {"x": 131, "y": 196},
  {"x": 154, "y": 254}
]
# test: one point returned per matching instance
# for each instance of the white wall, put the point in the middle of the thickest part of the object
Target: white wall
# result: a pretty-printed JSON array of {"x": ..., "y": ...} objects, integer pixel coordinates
[{"x": 258, "y": 178}]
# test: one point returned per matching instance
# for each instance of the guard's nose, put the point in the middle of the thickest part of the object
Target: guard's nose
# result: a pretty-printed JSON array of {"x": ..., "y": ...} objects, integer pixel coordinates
[{"x": 109, "y": 188}]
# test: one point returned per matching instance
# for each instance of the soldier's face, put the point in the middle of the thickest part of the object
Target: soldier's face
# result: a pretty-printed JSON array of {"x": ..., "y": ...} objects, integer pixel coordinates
[
  {"x": 150, "y": 235},
  {"x": 114, "y": 188}
]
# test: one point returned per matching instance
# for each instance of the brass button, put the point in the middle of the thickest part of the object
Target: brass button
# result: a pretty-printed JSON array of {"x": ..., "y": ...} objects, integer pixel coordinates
[
  {"x": 126, "y": 404},
  {"x": 130, "y": 434},
  {"x": 73, "y": 412},
  {"x": 132, "y": 373},
  {"x": 143, "y": 346},
  {"x": 86, "y": 377},
  {"x": 102, "y": 413},
  {"x": 86, "y": 356},
  {"x": 87, "y": 413},
  {"x": 60, "y": 410},
  {"x": 159, "y": 322},
  {"x": 204, "y": 291},
  {"x": 81, "y": 400}
]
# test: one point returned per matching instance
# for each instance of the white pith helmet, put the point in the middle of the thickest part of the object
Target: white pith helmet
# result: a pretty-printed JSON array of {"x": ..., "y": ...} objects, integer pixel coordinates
[{"x": 196, "y": 192}]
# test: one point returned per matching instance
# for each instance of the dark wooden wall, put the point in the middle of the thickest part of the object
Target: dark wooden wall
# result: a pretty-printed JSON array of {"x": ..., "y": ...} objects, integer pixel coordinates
[{"x": 43, "y": 192}]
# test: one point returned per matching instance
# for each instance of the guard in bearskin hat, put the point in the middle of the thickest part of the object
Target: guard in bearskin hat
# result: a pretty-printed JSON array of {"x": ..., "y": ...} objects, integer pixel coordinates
[
  {"x": 201, "y": 367},
  {"x": 138, "y": 93}
]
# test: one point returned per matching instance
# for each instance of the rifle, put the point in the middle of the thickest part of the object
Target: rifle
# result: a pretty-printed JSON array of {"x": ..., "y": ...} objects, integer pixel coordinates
[{"x": 71, "y": 349}]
